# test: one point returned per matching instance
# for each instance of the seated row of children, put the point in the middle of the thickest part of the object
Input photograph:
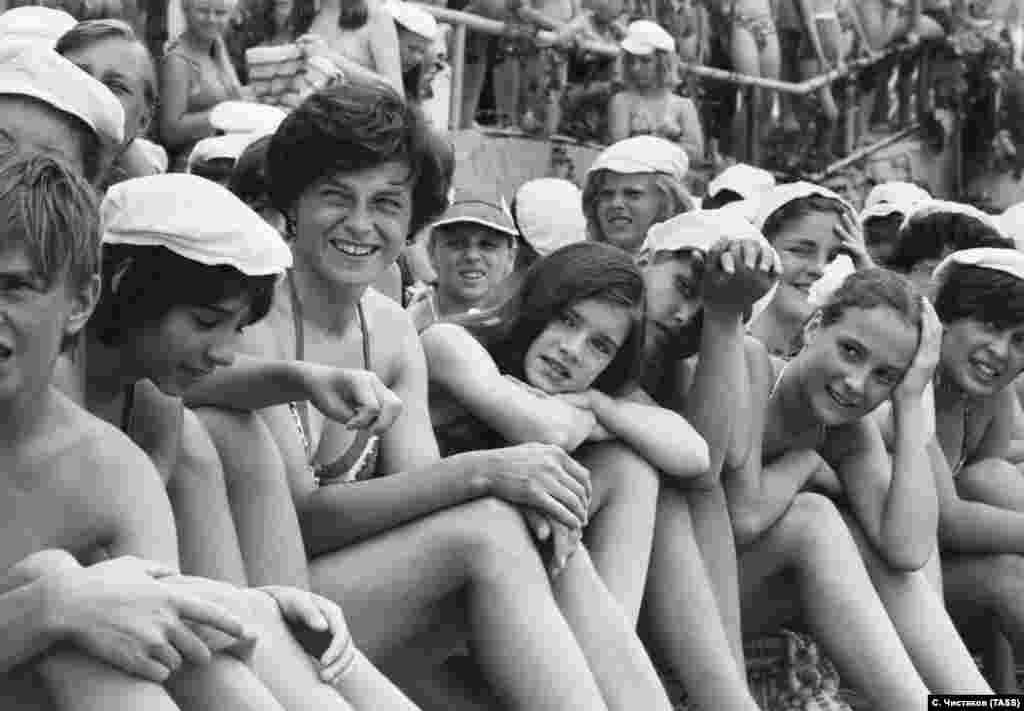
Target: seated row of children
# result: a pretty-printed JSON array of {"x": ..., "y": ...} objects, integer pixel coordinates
[{"x": 520, "y": 507}]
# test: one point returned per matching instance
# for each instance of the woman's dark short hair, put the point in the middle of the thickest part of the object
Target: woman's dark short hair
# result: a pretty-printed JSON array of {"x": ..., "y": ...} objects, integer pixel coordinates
[
  {"x": 574, "y": 273},
  {"x": 798, "y": 209},
  {"x": 985, "y": 295},
  {"x": 249, "y": 179},
  {"x": 355, "y": 125},
  {"x": 936, "y": 234},
  {"x": 142, "y": 284}
]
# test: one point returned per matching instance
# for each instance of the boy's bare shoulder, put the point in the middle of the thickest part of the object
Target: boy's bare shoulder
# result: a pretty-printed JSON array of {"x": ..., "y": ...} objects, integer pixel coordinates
[{"x": 93, "y": 443}]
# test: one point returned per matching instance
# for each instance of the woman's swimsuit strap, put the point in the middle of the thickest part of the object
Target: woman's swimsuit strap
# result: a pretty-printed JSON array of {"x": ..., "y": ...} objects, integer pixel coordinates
[{"x": 360, "y": 460}]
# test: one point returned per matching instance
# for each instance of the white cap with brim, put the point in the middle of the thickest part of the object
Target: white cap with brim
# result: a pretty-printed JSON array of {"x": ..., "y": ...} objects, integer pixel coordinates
[
  {"x": 781, "y": 195},
  {"x": 926, "y": 208},
  {"x": 699, "y": 230},
  {"x": 645, "y": 37},
  {"x": 246, "y": 117},
  {"x": 642, "y": 154},
  {"x": 195, "y": 218},
  {"x": 33, "y": 24},
  {"x": 897, "y": 192},
  {"x": 42, "y": 74},
  {"x": 895, "y": 197},
  {"x": 549, "y": 212},
  {"x": 745, "y": 180},
  {"x": 228, "y": 146},
  {"x": 413, "y": 18},
  {"x": 1008, "y": 261}
]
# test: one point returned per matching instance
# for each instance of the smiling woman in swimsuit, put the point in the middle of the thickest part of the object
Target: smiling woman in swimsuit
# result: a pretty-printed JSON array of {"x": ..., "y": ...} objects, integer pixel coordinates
[
  {"x": 404, "y": 539},
  {"x": 873, "y": 340},
  {"x": 980, "y": 298}
]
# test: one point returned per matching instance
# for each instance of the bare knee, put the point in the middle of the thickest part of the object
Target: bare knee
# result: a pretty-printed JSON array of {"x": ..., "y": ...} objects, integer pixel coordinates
[
  {"x": 617, "y": 472},
  {"x": 491, "y": 537},
  {"x": 813, "y": 523},
  {"x": 975, "y": 481}
]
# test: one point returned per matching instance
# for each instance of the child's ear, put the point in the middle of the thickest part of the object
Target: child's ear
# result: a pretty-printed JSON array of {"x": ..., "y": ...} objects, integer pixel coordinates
[
  {"x": 811, "y": 328},
  {"x": 83, "y": 302}
]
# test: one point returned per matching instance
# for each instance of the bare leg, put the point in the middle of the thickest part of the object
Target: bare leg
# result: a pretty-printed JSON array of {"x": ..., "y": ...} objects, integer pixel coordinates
[
  {"x": 771, "y": 68},
  {"x": 224, "y": 684},
  {"x": 261, "y": 503},
  {"x": 396, "y": 585},
  {"x": 474, "y": 76},
  {"x": 712, "y": 528},
  {"x": 745, "y": 60},
  {"x": 621, "y": 528},
  {"x": 277, "y": 659},
  {"x": 924, "y": 625},
  {"x": 993, "y": 481},
  {"x": 978, "y": 585},
  {"x": 608, "y": 638},
  {"x": 199, "y": 498},
  {"x": 79, "y": 682},
  {"x": 683, "y": 615},
  {"x": 809, "y": 555}
]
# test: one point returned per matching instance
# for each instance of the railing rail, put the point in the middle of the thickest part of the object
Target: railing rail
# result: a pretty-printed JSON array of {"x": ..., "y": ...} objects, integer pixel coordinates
[{"x": 464, "y": 21}]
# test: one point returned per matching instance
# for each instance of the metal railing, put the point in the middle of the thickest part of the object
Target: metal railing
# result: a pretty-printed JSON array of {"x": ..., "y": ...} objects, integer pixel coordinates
[{"x": 462, "y": 22}]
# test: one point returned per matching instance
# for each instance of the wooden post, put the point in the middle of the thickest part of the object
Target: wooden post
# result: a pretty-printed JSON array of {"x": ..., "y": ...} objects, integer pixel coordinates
[
  {"x": 852, "y": 111},
  {"x": 458, "y": 77}
]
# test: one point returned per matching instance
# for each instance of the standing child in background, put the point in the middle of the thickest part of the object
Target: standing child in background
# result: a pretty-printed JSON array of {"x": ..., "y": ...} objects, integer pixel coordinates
[
  {"x": 753, "y": 48},
  {"x": 648, "y": 105}
]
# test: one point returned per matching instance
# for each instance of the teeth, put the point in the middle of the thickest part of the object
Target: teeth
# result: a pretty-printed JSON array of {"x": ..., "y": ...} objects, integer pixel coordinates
[
  {"x": 472, "y": 275},
  {"x": 352, "y": 249},
  {"x": 558, "y": 368},
  {"x": 986, "y": 370}
]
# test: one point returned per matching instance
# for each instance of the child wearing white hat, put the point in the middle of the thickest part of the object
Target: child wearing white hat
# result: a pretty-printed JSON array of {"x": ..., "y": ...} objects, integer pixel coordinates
[{"x": 49, "y": 105}]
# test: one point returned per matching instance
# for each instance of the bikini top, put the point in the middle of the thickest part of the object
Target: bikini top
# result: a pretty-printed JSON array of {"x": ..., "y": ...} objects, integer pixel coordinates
[
  {"x": 643, "y": 122},
  {"x": 359, "y": 462}
]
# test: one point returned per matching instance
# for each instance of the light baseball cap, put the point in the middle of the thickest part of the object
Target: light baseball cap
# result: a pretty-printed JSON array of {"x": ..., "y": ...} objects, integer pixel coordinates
[
  {"x": 40, "y": 73},
  {"x": 745, "y": 180},
  {"x": 642, "y": 154},
  {"x": 413, "y": 18},
  {"x": 479, "y": 210},
  {"x": 33, "y": 24},
  {"x": 195, "y": 218},
  {"x": 549, "y": 212},
  {"x": 645, "y": 37}
]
